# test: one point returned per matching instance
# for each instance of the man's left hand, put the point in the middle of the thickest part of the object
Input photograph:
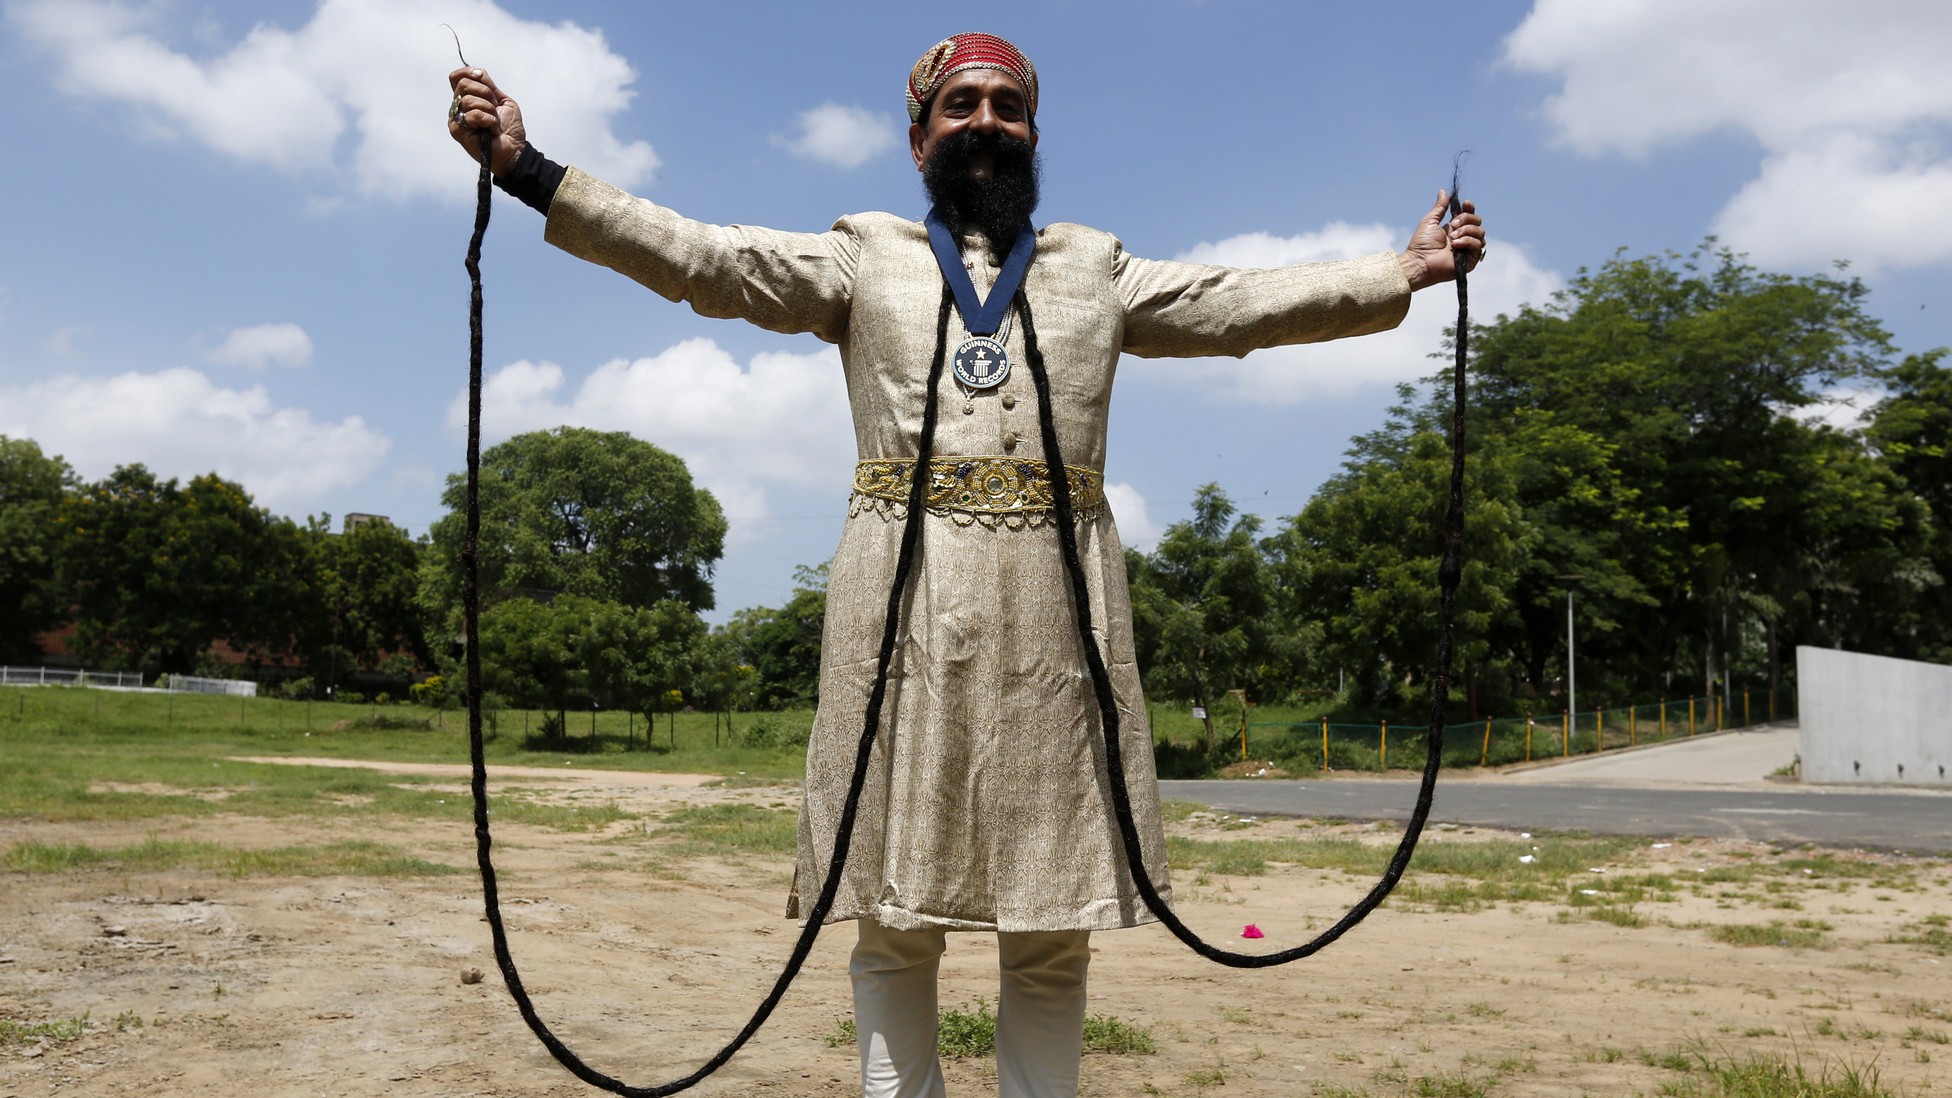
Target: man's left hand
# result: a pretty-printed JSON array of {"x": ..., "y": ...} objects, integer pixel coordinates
[{"x": 1436, "y": 248}]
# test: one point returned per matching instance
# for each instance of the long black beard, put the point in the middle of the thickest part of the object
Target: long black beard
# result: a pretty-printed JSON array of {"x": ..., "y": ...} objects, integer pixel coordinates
[{"x": 998, "y": 206}]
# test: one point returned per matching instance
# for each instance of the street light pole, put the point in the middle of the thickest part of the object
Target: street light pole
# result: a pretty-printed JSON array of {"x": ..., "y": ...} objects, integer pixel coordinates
[
  {"x": 1572, "y": 679},
  {"x": 1572, "y": 675}
]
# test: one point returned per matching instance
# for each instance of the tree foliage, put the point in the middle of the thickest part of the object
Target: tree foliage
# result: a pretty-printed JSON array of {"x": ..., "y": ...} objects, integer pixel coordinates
[
  {"x": 367, "y": 585},
  {"x": 572, "y": 652},
  {"x": 572, "y": 511},
  {"x": 1200, "y": 604},
  {"x": 32, "y": 486},
  {"x": 158, "y": 572},
  {"x": 1912, "y": 432},
  {"x": 782, "y": 644},
  {"x": 1646, "y": 442}
]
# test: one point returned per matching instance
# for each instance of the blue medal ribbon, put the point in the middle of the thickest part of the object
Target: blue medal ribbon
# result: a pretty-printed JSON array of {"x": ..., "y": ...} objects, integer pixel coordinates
[{"x": 981, "y": 317}]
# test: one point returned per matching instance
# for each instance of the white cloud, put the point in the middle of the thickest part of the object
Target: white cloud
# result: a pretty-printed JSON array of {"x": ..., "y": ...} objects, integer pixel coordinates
[
  {"x": 1851, "y": 104},
  {"x": 260, "y": 346},
  {"x": 777, "y": 428},
  {"x": 1291, "y": 375},
  {"x": 65, "y": 341},
  {"x": 356, "y": 94},
  {"x": 1841, "y": 408},
  {"x": 846, "y": 137},
  {"x": 180, "y": 424},
  {"x": 1135, "y": 526}
]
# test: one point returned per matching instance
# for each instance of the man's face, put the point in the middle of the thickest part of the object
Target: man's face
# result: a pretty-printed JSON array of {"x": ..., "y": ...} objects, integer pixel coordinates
[{"x": 976, "y": 101}]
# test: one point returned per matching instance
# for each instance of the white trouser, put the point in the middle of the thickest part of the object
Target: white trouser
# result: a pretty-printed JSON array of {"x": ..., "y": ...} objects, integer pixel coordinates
[{"x": 1039, "y": 1012}]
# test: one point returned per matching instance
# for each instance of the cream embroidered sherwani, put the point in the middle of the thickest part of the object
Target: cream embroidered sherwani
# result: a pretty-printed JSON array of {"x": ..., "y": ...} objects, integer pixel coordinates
[{"x": 986, "y": 804}]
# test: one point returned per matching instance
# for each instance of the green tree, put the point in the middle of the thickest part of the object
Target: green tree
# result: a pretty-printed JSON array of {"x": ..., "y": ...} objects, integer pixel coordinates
[
  {"x": 32, "y": 486},
  {"x": 1696, "y": 500},
  {"x": 531, "y": 654},
  {"x": 782, "y": 644},
  {"x": 571, "y": 511},
  {"x": 1361, "y": 561},
  {"x": 1200, "y": 605},
  {"x": 368, "y": 580},
  {"x": 159, "y": 572},
  {"x": 573, "y": 652},
  {"x": 1912, "y": 432}
]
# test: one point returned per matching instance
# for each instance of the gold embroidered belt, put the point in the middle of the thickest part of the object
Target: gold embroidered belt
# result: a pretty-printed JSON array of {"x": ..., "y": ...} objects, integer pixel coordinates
[{"x": 982, "y": 485}]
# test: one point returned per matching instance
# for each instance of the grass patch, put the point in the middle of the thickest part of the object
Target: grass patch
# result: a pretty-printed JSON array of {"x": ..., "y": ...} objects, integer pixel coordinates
[
  {"x": 58, "y": 742},
  {"x": 1930, "y": 932},
  {"x": 1494, "y": 861},
  {"x": 1178, "y": 811},
  {"x": 737, "y": 828},
  {"x": 15, "y": 1032},
  {"x": 1801, "y": 934},
  {"x": 1770, "y": 1076},
  {"x": 1115, "y": 1037},
  {"x": 1449, "y": 1085},
  {"x": 968, "y": 1032},
  {"x": 1618, "y": 916},
  {"x": 560, "y": 817},
  {"x": 351, "y": 859}
]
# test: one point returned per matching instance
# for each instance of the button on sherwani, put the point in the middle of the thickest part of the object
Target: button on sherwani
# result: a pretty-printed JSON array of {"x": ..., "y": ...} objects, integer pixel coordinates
[{"x": 986, "y": 803}]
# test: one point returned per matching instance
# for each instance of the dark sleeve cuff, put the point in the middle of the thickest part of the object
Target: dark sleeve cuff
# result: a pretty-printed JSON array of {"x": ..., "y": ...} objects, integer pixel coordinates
[{"x": 533, "y": 180}]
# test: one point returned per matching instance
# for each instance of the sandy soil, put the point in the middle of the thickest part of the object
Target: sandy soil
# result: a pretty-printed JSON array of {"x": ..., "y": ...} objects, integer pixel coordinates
[{"x": 200, "y": 984}]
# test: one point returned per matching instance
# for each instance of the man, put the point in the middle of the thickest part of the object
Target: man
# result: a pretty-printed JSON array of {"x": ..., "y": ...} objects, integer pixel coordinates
[{"x": 986, "y": 806}]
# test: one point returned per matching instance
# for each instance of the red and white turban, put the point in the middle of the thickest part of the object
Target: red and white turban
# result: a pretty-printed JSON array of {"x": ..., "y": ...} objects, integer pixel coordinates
[{"x": 960, "y": 53}]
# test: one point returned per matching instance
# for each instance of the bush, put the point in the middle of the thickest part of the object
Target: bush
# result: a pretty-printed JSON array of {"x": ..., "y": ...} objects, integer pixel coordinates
[
  {"x": 295, "y": 689},
  {"x": 389, "y": 721},
  {"x": 349, "y": 697},
  {"x": 773, "y": 731},
  {"x": 1192, "y": 760}
]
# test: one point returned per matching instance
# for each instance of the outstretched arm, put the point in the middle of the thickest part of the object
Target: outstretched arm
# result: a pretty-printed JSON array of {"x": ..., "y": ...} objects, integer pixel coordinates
[
  {"x": 785, "y": 282},
  {"x": 1429, "y": 259}
]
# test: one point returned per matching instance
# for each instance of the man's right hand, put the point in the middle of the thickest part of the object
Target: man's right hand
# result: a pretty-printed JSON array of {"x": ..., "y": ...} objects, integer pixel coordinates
[{"x": 482, "y": 108}]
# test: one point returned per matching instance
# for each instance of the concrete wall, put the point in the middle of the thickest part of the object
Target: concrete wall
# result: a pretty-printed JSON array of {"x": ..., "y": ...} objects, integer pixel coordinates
[{"x": 1872, "y": 719}]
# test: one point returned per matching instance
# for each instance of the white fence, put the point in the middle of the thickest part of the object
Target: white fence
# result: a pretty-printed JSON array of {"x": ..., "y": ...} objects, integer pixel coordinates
[
  {"x": 65, "y": 676},
  {"x": 236, "y": 688}
]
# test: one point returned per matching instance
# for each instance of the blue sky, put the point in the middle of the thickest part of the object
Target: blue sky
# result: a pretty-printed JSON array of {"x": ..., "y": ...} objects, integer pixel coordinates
[{"x": 235, "y": 229}]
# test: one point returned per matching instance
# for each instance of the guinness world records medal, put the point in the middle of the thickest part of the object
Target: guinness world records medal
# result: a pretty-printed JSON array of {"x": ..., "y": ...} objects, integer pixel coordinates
[{"x": 981, "y": 363}]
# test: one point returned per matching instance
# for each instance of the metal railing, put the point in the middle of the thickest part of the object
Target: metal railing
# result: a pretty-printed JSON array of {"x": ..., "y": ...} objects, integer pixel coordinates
[
  {"x": 190, "y": 684},
  {"x": 68, "y": 676},
  {"x": 1497, "y": 741}
]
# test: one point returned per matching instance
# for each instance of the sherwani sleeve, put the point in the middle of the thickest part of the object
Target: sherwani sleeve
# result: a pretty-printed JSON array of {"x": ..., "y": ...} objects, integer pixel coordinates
[
  {"x": 781, "y": 281},
  {"x": 1192, "y": 310}
]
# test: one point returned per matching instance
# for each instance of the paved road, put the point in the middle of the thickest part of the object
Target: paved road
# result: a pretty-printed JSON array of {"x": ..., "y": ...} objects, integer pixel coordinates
[{"x": 1709, "y": 787}]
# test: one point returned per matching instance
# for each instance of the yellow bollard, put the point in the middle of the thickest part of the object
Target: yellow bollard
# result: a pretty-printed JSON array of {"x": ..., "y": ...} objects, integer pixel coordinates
[
  {"x": 1324, "y": 744},
  {"x": 1745, "y": 706},
  {"x": 1528, "y": 737},
  {"x": 1632, "y": 735},
  {"x": 1385, "y": 748},
  {"x": 1690, "y": 714},
  {"x": 1484, "y": 757},
  {"x": 1565, "y": 734},
  {"x": 1663, "y": 718},
  {"x": 1599, "y": 729}
]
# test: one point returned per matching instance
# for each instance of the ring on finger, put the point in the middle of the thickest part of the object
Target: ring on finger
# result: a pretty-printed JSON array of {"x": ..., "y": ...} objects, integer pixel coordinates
[{"x": 454, "y": 109}]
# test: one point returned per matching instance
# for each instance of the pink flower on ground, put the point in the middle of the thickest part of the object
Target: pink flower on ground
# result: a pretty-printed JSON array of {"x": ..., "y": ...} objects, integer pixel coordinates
[{"x": 1252, "y": 931}]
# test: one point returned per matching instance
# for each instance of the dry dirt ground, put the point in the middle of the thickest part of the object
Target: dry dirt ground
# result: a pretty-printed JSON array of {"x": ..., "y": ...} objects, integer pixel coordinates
[{"x": 194, "y": 983}]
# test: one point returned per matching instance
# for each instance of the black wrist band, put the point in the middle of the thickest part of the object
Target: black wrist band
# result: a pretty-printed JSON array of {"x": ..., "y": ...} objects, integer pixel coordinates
[{"x": 533, "y": 180}]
